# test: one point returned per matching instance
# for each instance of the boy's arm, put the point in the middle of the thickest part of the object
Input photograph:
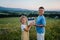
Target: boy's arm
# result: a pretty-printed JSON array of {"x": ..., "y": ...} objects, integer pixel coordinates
[
  {"x": 43, "y": 23},
  {"x": 39, "y": 25}
]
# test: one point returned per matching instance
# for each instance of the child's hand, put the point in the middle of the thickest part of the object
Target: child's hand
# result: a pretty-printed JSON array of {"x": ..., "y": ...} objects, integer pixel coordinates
[
  {"x": 31, "y": 24},
  {"x": 34, "y": 24}
]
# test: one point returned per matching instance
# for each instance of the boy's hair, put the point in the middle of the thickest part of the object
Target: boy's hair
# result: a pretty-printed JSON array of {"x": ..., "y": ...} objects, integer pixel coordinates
[
  {"x": 41, "y": 7},
  {"x": 22, "y": 18}
]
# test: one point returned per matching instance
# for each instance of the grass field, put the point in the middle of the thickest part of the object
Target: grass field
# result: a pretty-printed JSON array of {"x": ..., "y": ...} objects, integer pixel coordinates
[{"x": 10, "y": 29}]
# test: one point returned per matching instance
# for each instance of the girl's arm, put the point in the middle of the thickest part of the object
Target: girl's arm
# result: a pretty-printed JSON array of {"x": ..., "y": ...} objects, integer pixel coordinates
[{"x": 27, "y": 28}]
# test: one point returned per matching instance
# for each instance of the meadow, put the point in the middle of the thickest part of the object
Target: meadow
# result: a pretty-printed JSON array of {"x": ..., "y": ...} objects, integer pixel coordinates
[{"x": 10, "y": 29}]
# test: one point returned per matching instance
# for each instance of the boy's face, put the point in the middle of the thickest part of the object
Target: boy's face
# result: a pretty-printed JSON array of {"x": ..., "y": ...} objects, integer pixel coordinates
[
  {"x": 41, "y": 11},
  {"x": 24, "y": 20}
]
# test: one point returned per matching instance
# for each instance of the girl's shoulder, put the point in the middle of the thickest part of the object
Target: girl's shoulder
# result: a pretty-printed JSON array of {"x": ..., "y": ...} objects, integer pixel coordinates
[{"x": 23, "y": 25}]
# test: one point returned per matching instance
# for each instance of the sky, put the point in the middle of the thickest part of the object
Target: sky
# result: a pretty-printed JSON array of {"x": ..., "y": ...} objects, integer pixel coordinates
[{"x": 31, "y": 4}]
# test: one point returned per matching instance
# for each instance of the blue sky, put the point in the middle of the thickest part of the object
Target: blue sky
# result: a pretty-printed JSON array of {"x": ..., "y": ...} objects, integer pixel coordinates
[{"x": 31, "y": 4}]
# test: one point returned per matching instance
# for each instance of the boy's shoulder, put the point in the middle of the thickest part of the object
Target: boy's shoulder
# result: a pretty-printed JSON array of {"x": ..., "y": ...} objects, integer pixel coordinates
[{"x": 43, "y": 16}]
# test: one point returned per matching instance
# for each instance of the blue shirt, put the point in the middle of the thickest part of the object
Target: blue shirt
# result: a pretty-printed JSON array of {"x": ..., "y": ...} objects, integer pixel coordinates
[{"x": 40, "y": 20}]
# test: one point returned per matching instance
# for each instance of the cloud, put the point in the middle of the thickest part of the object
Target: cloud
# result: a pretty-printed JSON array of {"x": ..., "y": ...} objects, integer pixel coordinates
[{"x": 31, "y": 4}]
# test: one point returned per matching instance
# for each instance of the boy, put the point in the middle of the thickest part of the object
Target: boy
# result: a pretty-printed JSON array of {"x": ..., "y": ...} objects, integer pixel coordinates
[{"x": 40, "y": 24}]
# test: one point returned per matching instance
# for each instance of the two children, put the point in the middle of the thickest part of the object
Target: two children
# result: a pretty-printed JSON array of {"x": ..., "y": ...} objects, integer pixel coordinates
[
  {"x": 25, "y": 28},
  {"x": 40, "y": 26}
]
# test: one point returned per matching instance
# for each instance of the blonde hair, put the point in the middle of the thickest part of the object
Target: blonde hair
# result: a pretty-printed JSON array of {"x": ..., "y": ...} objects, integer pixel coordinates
[{"x": 22, "y": 18}]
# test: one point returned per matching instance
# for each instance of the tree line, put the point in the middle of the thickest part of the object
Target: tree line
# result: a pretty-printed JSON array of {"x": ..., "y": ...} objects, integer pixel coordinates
[{"x": 52, "y": 14}]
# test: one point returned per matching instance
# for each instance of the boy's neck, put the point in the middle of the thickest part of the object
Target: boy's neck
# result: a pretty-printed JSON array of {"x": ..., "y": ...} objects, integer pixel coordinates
[{"x": 40, "y": 15}]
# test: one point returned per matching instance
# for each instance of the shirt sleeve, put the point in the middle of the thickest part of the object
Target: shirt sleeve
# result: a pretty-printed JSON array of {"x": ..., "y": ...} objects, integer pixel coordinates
[
  {"x": 43, "y": 21},
  {"x": 22, "y": 27}
]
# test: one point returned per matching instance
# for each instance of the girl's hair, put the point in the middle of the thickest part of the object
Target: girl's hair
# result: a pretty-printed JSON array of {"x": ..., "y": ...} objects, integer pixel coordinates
[{"x": 22, "y": 18}]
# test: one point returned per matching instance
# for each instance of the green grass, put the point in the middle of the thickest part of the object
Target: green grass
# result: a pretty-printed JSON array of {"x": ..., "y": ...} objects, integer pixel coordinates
[{"x": 10, "y": 29}]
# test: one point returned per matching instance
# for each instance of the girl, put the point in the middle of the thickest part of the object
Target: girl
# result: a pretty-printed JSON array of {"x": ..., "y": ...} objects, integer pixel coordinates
[{"x": 24, "y": 28}]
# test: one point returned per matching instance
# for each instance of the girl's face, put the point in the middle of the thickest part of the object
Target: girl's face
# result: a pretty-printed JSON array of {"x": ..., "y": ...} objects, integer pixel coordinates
[{"x": 24, "y": 20}]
